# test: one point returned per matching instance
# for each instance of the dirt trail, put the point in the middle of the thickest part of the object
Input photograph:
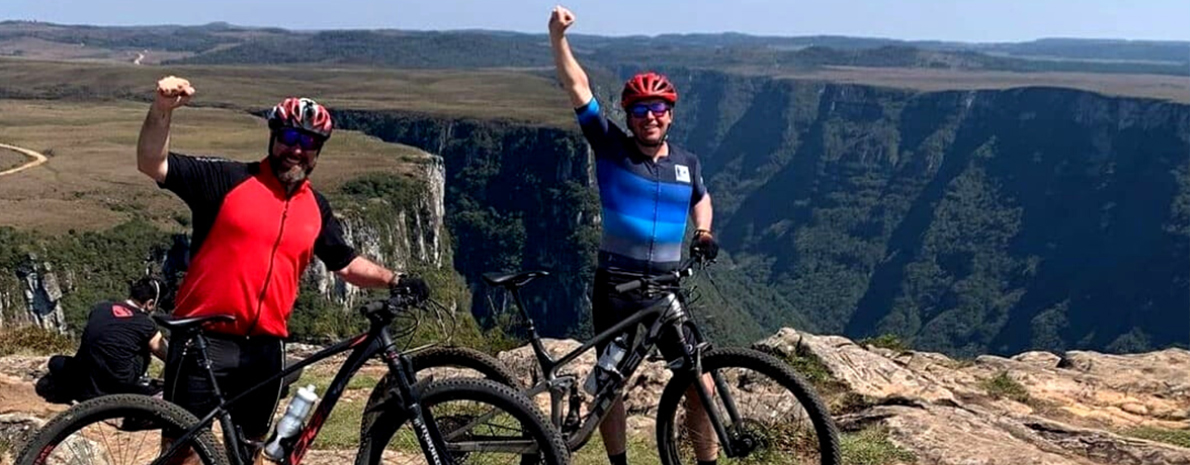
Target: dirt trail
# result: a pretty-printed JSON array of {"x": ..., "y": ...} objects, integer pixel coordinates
[{"x": 37, "y": 159}]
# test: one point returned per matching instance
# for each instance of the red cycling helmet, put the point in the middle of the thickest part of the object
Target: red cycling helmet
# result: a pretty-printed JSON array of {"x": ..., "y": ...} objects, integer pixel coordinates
[
  {"x": 648, "y": 85},
  {"x": 301, "y": 113}
]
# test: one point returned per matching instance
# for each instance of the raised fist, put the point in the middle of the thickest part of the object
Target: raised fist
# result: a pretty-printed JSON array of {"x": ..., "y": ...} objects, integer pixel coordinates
[
  {"x": 173, "y": 92},
  {"x": 560, "y": 20}
]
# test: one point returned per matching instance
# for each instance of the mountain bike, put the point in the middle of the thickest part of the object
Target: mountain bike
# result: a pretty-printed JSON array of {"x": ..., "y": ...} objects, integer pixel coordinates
[
  {"x": 441, "y": 415},
  {"x": 764, "y": 411}
]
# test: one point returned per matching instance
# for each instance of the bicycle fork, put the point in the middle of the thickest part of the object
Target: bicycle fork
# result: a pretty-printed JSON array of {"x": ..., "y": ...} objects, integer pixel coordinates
[
  {"x": 424, "y": 426},
  {"x": 693, "y": 354}
]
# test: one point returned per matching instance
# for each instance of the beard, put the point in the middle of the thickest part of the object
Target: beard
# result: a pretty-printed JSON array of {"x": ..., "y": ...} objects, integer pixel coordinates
[{"x": 294, "y": 174}]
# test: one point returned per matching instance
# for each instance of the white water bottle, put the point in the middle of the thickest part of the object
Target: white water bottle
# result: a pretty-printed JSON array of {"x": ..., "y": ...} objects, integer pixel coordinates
[
  {"x": 606, "y": 365},
  {"x": 291, "y": 423}
]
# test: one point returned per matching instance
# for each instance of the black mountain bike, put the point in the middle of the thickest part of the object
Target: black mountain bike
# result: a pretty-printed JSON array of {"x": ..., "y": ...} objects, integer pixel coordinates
[
  {"x": 441, "y": 415},
  {"x": 764, "y": 411}
]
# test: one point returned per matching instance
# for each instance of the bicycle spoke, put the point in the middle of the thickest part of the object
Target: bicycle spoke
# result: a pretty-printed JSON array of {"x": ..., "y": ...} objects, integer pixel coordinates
[
  {"x": 769, "y": 425},
  {"x": 111, "y": 430},
  {"x": 475, "y": 431}
]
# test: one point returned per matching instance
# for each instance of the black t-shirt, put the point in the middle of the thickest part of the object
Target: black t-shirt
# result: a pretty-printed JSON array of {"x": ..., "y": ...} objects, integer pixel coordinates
[{"x": 115, "y": 350}]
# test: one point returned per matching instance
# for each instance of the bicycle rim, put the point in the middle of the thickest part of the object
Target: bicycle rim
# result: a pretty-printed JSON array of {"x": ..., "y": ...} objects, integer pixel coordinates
[
  {"x": 113, "y": 430},
  {"x": 482, "y": 422},
  {"x": 770, "y": 415}
]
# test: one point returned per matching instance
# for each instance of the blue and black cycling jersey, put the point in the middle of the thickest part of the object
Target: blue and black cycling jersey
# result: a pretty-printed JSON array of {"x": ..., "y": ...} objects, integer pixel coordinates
[{"x": 645, "y": 205}]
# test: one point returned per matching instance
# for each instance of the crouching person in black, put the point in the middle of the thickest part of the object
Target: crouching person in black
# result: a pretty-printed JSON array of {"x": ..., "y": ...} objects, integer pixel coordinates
[{"x": 114, "y": 352}]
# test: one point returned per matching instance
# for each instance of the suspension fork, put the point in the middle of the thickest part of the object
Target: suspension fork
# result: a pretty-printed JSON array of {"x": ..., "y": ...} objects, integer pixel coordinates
[
  {"x": 720, "y": 384},
  {"x": 423, "y": 422},
  {"x": 693, "y": 355}
]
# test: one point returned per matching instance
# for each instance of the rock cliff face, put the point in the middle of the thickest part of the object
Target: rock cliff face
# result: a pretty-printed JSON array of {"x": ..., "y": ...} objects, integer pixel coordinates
[
  {"x": 517, "y": 197},
  {"x": 33, "y": 296},
  {"x": 395, "y": 235},
  {"x": 55, "y": 286},
  {"x": 965, "y": 222}
]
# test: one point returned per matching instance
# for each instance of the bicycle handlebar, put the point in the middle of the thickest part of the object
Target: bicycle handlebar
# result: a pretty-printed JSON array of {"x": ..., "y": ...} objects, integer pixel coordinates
[
  {"x": 686, "y": 270},
  {"x": 391, "y": 305}
]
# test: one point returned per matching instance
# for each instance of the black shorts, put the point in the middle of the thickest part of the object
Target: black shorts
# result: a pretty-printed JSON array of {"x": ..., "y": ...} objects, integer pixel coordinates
[
  {"x": 609, "y": 308},
  {"x": 239, "y": 364}
]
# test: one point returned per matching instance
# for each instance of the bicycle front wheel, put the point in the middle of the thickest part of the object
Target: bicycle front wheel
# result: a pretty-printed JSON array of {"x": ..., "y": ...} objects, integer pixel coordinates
[
  {"x": 116, "y": 429},
  {"x": 770, "y": 415},
  {"x": 481, "y": 422},
  {"x": 440, "y": 363}
]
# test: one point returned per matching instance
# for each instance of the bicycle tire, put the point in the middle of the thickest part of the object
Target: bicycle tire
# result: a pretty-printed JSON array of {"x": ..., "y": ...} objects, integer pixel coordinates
[
  {"x": 552, "y": 447},
  {"x": 164, "y": 414},
  {"x": 440, "y": 357},
  {"x": 767, "y": 365},
  {"x": 465, "y": 357}
]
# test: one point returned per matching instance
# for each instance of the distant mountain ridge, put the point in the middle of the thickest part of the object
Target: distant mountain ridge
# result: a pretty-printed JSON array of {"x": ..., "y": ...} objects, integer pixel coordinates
[{"x": 223, "y": 43}]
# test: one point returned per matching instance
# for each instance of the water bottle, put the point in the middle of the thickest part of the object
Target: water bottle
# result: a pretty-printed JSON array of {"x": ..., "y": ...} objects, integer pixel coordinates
[
  {"x": 291, "y": 423},
  {"x": 606, "y": 365}
]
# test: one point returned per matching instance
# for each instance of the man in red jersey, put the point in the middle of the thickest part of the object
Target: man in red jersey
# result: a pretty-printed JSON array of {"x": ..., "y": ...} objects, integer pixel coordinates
[{"x": 256, "y": 227}]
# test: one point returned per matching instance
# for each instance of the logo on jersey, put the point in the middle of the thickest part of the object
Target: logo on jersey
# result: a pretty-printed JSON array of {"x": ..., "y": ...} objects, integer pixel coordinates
[
  {"x": 121, "y": 312},
  {"x": 683, "y": 173}
]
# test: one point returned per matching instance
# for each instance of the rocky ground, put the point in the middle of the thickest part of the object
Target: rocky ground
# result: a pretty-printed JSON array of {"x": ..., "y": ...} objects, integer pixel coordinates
[
  {"x": 1033, "y": 408},
  {"x": 1083, "y": 408}
]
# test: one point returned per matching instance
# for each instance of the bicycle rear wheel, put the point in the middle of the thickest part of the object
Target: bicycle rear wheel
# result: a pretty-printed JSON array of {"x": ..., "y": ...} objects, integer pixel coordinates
[
  {"x": 770, "y": 414},
  {"x": 482, "y": 421},
  {"x": 115, "y": 430}
]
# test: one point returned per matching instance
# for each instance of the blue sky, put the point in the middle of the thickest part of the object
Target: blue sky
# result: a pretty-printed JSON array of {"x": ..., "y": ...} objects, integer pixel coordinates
[{"x": 963, "y": 20}]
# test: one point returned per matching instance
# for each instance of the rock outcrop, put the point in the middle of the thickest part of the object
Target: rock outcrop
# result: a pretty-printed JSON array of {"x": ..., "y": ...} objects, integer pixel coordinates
[
  {"x": 1078, "y": 408},
  {"x": 1034, "y": 408},
  {"x": 34, "y": 297}
]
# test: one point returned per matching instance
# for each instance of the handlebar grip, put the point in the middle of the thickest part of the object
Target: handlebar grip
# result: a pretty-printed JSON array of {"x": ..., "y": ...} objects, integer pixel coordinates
[
  {"x": 372, "y": 307},
  {"x": 629, "y": 286},
  {"x": 667, "y": 278}
]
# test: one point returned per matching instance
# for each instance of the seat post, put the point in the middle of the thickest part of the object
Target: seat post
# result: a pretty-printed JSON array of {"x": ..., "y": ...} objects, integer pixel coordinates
[
  {"x": 204, "y": 360},
  {"x": 534, "y": 339}
]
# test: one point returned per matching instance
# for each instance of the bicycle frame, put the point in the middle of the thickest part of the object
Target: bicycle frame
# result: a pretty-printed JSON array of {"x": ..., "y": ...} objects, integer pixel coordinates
[
  {"x": 669, "y": 313},
  {"x": 364, "y": 346}
]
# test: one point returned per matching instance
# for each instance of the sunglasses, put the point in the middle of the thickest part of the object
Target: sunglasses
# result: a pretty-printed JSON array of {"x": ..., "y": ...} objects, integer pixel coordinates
[
  {"x": 641, "y": 109},
  {"x": 293, "y": 137}
]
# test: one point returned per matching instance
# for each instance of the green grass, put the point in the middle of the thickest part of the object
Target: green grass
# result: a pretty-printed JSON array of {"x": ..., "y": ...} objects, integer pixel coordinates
[
  {"x": 1002, "y": 386},
  {"x": 33, "y": 340},
  {"x": 872, "y": 447},
  {"x": 641, "y": 451},
  {"x": 1177, "y": 437},
  {"x": 322, "y": 381},
  {"x": 341, "y": 430},
  {"x": 11, "y": 159},
  {"x": 834, "y": 393},
  {"x": 156, "y": 368},
  {"x": 499, "y": 94},
  {"x": 808, "y": 365},
  {"x": 887, "y": 341},
  {"x": 91, "y": 183}
]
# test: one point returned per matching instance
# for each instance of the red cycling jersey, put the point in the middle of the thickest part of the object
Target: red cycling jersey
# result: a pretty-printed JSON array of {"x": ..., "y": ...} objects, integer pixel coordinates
[{"x": 251, "y": 242}]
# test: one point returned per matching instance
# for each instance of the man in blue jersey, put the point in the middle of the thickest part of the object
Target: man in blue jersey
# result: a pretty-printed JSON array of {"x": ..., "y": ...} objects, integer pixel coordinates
[{"x": 647, "y": 188}]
